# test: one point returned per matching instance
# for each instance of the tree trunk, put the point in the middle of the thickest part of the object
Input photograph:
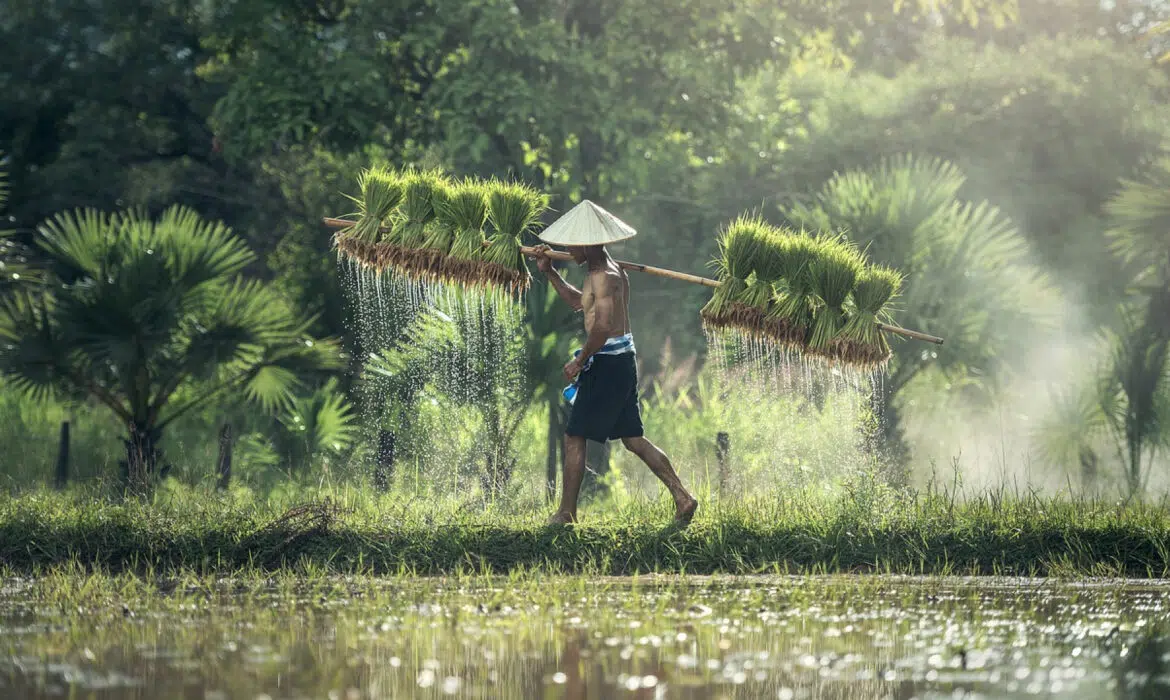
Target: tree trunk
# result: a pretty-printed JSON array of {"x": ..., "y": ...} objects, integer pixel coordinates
[
  {"x": 384, "y": 461},
  {"x": 62, "y": 473},
  {"x": 1134, "y": 476},
  {"x": 497, "y": 473},
  {"x": 552, "y": 458},
  {"x": 140, "y": 469},
  {"x": 224, "y": 464}
]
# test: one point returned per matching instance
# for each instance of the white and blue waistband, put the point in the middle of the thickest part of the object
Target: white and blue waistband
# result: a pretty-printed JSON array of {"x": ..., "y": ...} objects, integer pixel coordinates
[{"x": 618, "y": 345}]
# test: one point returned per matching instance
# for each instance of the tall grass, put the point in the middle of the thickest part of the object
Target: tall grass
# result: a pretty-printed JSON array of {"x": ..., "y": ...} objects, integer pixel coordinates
[{"x": 861, "y": 529}]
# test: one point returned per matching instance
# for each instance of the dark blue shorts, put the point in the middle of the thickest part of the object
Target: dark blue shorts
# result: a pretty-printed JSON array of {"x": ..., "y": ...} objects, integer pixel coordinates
[{"x": 606, "y": 407}]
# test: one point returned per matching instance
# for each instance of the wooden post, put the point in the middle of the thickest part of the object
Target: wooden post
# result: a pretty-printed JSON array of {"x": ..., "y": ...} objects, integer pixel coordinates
[
  {"x": 722, "y": 457},
  {"x": 384, "y": 461},
  {"x": 62, "y": 473},
  {"x": 597, "y": 466},
  {"x": 224, "y": 464},
  {"x": 552, "y": 463}
]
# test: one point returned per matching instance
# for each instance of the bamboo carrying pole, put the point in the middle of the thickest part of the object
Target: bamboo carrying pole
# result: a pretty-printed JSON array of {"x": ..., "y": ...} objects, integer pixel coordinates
[{"x": 671, "y": 274}]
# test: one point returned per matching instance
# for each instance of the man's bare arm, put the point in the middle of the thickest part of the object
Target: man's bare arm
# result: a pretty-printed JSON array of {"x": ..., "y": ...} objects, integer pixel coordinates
[{"x": 568, "y": 292}]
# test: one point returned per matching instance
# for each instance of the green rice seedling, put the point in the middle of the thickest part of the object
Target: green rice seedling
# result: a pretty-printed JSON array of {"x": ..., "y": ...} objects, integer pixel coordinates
[
  {"x": 438, "y": 235},
  {"x": 863, "y": 342},
  {"x": 740, "y": 245},
  {"x": 381, "y": 192},
  {"x": 750, "y": 307},
  {"x": 416, "y": 213},
  {"x": 833, "y": 274},
  {"x": 791, "y": 314},
  {"x": 464, "y": 212},
  {"x": 513, "y": 209}
]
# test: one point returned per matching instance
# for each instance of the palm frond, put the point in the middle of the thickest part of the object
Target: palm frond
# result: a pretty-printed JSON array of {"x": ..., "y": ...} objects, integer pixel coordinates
[
  {"x": 320, "y": 422},
  {"x": 1140, "y": 217},
  {"x": 272, "y": 387}
]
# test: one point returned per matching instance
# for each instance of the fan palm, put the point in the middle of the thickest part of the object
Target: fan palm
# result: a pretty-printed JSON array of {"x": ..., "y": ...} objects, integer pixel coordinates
[
  {"x": 152, "y": 319},
  {"x": 1138, "y": 393},
  {"x": 1134, "y": 395}
]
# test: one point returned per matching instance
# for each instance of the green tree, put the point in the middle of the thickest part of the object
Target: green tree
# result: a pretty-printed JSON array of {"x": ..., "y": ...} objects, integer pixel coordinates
[
  {"x": 968, "y": 275},
  {"x": 1140, "y": 233},
  {"x": 1126, "y": 401},
  {"x": 1068, "y": 118},
  {"x": 101, "y": 103},
  {"x": 152, "y": 320}
]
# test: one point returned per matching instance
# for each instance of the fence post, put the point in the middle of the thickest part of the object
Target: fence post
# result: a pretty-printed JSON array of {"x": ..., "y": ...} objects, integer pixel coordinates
[
  {"x": 384, "y": 461},
  {"x": 722, "y": 457},
  {"x": 62, "y": 474},
  {"x": 224, "y": 465}
]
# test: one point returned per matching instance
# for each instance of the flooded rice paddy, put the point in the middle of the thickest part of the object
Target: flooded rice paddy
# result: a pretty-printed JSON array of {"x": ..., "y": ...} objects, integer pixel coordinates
[{"x": 669, "y": 637}]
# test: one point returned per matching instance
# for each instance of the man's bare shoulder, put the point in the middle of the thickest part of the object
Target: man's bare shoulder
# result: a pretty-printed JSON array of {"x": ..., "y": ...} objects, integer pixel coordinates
[{"x": 606, "y": 278}]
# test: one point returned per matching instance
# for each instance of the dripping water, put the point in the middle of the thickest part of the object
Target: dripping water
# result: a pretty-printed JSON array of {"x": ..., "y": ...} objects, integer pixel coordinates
[
  {"x": 814, "y": 417},
  {"x": 479, "y": 361}
]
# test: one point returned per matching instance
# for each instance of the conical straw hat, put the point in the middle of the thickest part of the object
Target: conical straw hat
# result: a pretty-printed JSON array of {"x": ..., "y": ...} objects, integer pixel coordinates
[{"x": 587, "y": 224}]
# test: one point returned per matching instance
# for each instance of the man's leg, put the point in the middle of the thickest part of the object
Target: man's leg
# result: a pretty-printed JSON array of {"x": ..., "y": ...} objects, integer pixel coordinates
[
  {"x": 657, "y": 461},
  {"x": 574, "y": 473}
]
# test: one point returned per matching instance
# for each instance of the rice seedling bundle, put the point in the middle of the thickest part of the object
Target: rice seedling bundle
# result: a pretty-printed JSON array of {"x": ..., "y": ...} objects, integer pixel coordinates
[
  {"x": 833, "y": 274},
  {"x": 381, "y": 192},
  {"x": 740, "y": 244},
  {"x": 464, "y": 213},
  {"x": 430, "y": 261},
  {"x": 791, "y": 313},
  {"x": 750, "y": 307},
  {"x": 416, "y": 214},
  {"x": 862, "y": 341},
  {"x": 512, "y": 209}
]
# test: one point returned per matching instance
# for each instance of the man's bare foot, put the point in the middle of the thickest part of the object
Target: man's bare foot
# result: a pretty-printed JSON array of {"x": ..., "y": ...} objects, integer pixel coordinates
[
  {"x": 685, "y": 512},
  {"x": 559, "y": 518}
]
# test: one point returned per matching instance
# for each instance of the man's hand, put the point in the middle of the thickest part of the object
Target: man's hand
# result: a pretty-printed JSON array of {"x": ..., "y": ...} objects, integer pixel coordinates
[
  {"x": 543, "y": 261},
  {"x": 572, "y": 369}
]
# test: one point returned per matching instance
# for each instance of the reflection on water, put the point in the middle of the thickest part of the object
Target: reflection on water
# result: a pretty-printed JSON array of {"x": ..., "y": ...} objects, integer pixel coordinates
[{"x": 836, "y": 637}]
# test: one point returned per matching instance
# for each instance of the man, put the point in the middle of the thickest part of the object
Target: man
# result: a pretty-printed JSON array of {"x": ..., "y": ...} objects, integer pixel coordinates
[{"x": 604, "y": 373}]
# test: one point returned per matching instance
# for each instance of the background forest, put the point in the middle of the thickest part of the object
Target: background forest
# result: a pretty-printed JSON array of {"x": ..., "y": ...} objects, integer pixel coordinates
[{"x": 1009, "y": 156}]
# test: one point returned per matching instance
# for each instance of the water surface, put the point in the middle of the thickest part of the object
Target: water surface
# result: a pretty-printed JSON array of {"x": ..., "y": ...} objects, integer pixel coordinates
[{"x": 659, "y": 637}]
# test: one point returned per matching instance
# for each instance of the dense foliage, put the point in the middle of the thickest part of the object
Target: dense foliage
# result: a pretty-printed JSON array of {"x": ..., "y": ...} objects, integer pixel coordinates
[{"x": 1034, "y": 127}]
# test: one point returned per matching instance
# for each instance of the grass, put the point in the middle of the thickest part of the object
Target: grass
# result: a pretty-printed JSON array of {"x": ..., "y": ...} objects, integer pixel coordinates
[{"x": 350, "y": 531}]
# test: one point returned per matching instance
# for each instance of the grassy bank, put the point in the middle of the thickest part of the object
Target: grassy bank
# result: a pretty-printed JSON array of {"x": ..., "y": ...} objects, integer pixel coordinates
[{"x": 349, "y": 531}]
